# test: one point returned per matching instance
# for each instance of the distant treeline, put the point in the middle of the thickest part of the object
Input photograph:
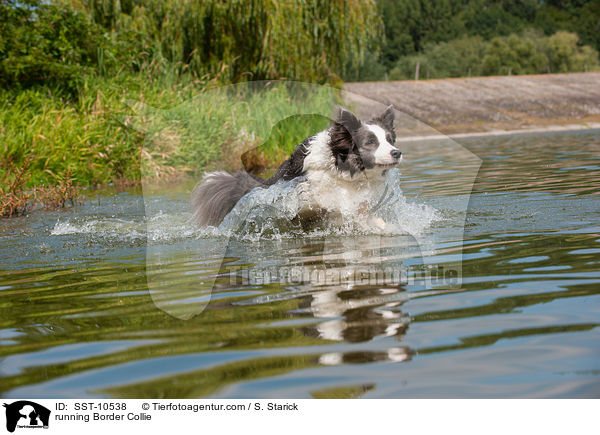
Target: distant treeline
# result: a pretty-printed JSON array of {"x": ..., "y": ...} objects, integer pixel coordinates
[
  {"x": 458, "y": 38},
  {"x": 58, "y": 42}
]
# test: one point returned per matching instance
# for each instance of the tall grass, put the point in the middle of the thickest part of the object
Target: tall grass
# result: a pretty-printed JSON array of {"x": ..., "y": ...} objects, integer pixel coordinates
[
  {"x": 84, "y": 138},
  {"x": 155, "y": 125},
  {"x": 88, "y": 135},
  {"x": 262, "y": 120}
]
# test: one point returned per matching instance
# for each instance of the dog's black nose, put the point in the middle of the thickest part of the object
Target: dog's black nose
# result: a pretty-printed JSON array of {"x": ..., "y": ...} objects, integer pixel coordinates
[{"x": 396, "y": 154}]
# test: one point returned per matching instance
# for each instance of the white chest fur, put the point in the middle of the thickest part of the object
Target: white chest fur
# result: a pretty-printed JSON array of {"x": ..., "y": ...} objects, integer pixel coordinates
[{"x": 336, "y": 194}]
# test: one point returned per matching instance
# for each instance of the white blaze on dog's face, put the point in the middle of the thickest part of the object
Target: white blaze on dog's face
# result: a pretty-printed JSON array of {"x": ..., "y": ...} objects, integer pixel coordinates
[
  {"x": 357, "y": 147},
  {"x": 385, "y": 154}
]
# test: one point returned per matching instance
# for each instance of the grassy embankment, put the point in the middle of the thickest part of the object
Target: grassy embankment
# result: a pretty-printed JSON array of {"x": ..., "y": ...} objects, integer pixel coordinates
[
  {"x": 68, "y": 69},
  {"x": 129, "y": 127}
]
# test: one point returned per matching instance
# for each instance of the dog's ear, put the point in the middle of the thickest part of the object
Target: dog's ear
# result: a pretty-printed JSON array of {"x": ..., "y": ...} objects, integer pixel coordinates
[
  {"x": 347, "y": 119},
  {"x": 342, "y": 133},
  {"x": 386, "y": 119}
]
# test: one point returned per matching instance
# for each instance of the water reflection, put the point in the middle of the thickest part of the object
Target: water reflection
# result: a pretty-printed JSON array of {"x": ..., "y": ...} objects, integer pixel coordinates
[
  {"x": 357, "y": 315},
  {"x": 251, "y": 332},
  {"x": 353, "y": 287}
]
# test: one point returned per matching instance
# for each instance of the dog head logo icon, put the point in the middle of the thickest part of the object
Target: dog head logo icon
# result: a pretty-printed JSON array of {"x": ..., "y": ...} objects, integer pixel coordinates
[{"x": 25, "y": 413}]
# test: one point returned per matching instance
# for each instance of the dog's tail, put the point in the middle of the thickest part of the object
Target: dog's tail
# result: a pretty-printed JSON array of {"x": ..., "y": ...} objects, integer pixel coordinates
[{"x": 218, "y": 192}]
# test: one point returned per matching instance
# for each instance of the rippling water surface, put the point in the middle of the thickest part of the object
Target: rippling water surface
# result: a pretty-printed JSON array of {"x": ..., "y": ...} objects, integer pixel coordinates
[{"x": 121, "y": 297}]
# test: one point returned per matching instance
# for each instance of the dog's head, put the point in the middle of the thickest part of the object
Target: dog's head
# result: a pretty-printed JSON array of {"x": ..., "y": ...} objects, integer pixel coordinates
[{"x": 359, "y": 146}]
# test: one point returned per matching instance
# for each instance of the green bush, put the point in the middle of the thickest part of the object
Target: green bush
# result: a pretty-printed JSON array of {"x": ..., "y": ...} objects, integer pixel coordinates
[
  {"x": 490, "y": 19},
  {"x": 458, "y": 58},
  {"x": 513, "y": 55},
  {"x": 587, "y": 25},
  {"x": 529, "y": 53},
  {"x": 370, "y": 69},
  {"x": 564, "y": 54},
  {"x": 57, "y": 43},
  {"x": 411, "y": 24},
  {"x": 411, "y": 27},
  {"x": 48, "y": 44}
]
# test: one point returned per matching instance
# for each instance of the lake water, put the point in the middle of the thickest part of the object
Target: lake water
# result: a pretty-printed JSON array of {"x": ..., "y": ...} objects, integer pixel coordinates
[{"x": 496, "y": 294}]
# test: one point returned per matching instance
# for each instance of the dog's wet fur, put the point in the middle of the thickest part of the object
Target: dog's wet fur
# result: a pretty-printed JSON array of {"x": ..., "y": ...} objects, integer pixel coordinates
[{"x": 348, "y": 155}]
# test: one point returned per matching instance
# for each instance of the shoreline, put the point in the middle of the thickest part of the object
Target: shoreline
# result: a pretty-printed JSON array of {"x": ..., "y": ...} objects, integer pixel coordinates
[{"x": 493, "y": 133}]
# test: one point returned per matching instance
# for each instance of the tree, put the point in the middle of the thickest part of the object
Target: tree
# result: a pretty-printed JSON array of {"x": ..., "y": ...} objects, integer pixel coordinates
[
  {"x": 588, "y": 24},
  {"x": 307, "y": 40},
  {"x": 489, "y": 19},
  {"x": 564, "y": 54},
  {"x": 46, "y": 43},
  {"x": 411, "y": 24}
]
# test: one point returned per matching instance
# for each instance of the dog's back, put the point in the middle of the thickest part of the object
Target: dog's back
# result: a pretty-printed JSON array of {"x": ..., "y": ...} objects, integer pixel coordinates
[{"x": 218, "y": 192}]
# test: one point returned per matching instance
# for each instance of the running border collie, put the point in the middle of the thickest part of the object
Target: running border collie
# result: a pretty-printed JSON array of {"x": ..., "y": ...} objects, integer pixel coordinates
[{"x": 341, "y": 163}]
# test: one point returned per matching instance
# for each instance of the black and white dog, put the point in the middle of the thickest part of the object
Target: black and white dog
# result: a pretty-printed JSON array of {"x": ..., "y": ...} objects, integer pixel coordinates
[{"x": 342, "y": 164}]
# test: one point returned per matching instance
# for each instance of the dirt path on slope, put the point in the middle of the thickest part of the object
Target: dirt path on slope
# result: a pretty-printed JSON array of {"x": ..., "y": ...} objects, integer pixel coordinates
[{"x": 484, "y": 104}]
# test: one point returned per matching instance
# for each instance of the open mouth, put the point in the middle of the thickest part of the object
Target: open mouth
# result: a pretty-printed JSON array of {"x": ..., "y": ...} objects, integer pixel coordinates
[{"x": 387, "y": 165}]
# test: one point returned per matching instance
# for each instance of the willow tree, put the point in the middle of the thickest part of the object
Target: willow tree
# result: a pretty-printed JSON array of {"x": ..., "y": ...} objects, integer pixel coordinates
[{"x": 308, "y": 40}]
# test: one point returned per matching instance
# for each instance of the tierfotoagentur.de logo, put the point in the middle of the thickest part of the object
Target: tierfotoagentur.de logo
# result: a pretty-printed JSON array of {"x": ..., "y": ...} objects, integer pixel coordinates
[{"x": 25, "y": 414}]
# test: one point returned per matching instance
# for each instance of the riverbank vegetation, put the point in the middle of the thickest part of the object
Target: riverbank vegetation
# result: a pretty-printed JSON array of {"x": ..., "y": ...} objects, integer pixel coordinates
[
  {"x": 16, "y": 200},
  {"x": 70, "y": 70}
]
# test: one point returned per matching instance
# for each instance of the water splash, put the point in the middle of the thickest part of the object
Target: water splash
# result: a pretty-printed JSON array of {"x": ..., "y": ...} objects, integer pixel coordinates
[
  {"x": 272, "y": 213},
  {"x": 161, "y": 228},
  {"x": 266, "y": 214}
]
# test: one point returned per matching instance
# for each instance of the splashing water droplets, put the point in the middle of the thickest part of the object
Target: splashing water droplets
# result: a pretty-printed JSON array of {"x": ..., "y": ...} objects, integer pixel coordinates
[{"x": 271, "y": 214}]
